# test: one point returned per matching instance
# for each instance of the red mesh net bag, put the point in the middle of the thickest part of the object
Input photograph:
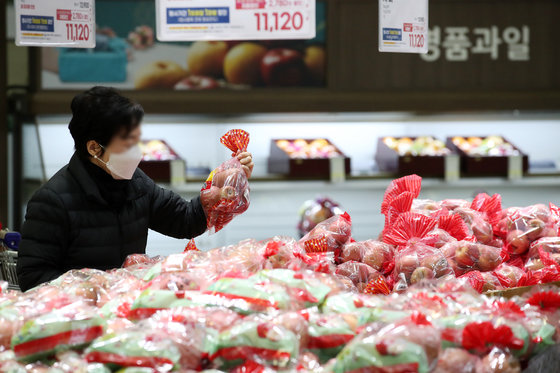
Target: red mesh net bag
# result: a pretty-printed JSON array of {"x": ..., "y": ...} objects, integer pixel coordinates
[{"x": 226, "y": 191}]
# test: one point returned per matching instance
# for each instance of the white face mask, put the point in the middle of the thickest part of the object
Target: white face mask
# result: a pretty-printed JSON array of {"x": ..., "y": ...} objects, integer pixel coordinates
[{"x": 122, "y": 165}]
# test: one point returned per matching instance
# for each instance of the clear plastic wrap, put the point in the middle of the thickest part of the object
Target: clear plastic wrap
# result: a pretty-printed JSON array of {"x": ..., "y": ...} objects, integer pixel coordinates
[
  {"x": 315, "y": 211},
  {"x": 360, "y": 273},
  {"x": 136, "y": 347},
  {"x": 457, "y": 360},
  {"x": 498, "y": 361},
  {"x": 510, "y": 276},
  {"x": 519, "y": 227},
  {"x": 72, "y": 326},
  {"x": 304, "y": 286},
  {"x": 417, "y": 262},
  {"x": 135, "y": 259},
  {"x": 543, "y": 252},
  {"x": 482, "y": 281},
  {"x": 328, "y": 334},
  {"x": 375, "y": 254},
  {"x": 467, "y": 256},
  {"x": 266, "y": 340},
  {"x": 405, "y": 346},
  {"x": 329, "y": 235},
  {"x": 226, "y": 191}
]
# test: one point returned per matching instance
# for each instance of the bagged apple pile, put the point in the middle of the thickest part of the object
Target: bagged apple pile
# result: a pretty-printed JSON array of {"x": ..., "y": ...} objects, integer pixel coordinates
[
  {"x": 220, "y": 310},
  {"x": 408, "y": 301}
]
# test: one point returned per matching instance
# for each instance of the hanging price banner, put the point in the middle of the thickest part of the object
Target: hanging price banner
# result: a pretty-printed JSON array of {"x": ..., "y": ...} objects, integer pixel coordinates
[
  {"x": 55, "y": 23},
  {"x": 403, "y": 26},
  {"x": 189, "y": 20}
]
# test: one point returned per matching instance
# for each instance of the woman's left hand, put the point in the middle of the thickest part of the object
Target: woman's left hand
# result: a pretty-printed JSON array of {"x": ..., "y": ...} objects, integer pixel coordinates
[{"x": 246, "y": 160}]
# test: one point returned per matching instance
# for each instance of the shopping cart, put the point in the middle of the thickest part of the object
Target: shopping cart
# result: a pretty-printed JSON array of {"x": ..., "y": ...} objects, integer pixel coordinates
[{"x": 9, "y": 243}]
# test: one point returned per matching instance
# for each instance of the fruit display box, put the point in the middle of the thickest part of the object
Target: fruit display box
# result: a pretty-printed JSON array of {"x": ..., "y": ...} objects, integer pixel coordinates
[
  {"x": 488, "y": 165},
  {"x": 518, "y": 291},
  {"x": 280, "y": 162},
  {"x": 161, "y": 163},
  {"x": 389, "y": 160}
]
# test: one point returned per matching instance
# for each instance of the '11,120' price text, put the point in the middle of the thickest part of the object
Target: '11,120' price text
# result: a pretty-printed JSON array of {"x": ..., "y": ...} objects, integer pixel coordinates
[
  {"x": 77, "y": 32},
  {"x": 279, "y": 21},
  {"x": 416, "y": 40}
]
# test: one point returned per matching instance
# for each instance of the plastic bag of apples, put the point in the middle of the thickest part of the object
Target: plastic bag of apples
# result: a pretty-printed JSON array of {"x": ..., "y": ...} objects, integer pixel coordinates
[{"x": 226, "y": 191}]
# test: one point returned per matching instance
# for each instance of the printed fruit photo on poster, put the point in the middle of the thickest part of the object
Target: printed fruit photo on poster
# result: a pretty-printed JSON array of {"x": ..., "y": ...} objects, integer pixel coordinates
[{"x": 128, "y": 56}]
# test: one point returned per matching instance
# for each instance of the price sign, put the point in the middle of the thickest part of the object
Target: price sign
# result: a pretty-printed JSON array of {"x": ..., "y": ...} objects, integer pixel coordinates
[
  {"x": 189, "y": 20},
  {"x": 403, "y": 26},
  {"x": 55, "y": 23}
]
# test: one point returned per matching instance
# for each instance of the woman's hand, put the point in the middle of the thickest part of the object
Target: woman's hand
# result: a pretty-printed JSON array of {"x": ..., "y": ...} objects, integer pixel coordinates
[{"x": 246, "y": 160}]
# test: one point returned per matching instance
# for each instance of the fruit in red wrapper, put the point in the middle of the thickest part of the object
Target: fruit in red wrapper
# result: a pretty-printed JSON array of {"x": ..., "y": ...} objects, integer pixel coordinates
[
  {"x": 357, "y": 272},
  {"x": 226, "y": 191},
  {"x": 352, "y": 252},
  {"x": 207, "y": 58},
  {"x": 456, "y": 360},
  {"x": 483, "y": 232},
  {"x": 420, "y": 274},
  {"x": 534, "y": 265},
  {"x": 437, "y": 262},
  {"x": 467, "y": 254},
  {"x": 498, "y": 361},
  {"x": 332, "y": 233},
  {"x": 535, "y": 229},
  {"x": 518, "y": 242},
  {"x": 242, "y": 62},
  {"x": 377, "y": 254},
  {"x": 489, "y": 258},
  {"x": 283, "y": 67},
  {"x": 508, "y": 275}
]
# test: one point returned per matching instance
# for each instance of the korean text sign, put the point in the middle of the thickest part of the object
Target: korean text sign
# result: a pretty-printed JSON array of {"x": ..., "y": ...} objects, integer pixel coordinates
[
  {"x": 189, "y": 20},
  {"x": 55, "y": 23}
]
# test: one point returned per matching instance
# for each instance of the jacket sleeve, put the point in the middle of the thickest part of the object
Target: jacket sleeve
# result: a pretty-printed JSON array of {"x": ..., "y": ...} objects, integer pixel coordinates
[
  {"x": 174, "y": 216},
  {"x": 44, "y": 240}
]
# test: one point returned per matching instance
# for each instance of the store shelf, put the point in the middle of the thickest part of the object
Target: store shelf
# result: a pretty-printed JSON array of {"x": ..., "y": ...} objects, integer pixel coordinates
[{"x": 379, "y": 182}]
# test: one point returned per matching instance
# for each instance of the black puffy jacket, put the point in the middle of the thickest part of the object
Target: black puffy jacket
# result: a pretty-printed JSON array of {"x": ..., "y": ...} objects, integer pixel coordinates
[{"x": 70, "y": 226}]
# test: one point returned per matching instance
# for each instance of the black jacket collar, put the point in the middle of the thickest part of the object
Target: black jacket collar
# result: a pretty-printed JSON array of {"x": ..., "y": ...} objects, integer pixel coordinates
[{"x": 88, "y": 185}]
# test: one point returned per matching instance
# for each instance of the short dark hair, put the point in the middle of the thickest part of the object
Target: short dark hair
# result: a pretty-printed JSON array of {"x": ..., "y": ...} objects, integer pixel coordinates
[{"x": 99, "y": 114}]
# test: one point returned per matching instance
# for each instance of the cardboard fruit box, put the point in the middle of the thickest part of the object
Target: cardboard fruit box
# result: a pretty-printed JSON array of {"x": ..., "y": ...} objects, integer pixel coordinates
[
  {"x": 389, "y": 160},
  {"x": 509, "y": 293},
  {"x": 486, "y": 165},
  {"x": 281, "y": 162},
  {"x": 161, "y": 163}
]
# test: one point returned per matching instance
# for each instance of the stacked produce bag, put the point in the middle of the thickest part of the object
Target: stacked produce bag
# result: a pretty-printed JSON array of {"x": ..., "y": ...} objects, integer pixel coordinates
[{"x": 409, "y": 301}]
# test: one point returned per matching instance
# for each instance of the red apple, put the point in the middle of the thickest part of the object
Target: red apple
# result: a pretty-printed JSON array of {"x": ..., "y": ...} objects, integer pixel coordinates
[
  {"x": 489, "y": 258},
  {"x": 550, "y": 232},
  {"x": 197, "y": 82},
  {"x": 534, "y": 264},
  {"x": 541, "y": 212},
  {"x": 483, "y": 232},
  {"x": 518, "y": 242},
  {"x": 498, "y": 361},
  {"x": 352, "y": 251},
  {"x": 374, "y": 258},
  {"x": 452, "y": 358},
  {"x": 535, "y": 228},
  {"x": 406, "y": 264},
  {"x": 421, "y": 273},
  {"x": 283, "y": 67},
  {"x": 467, "y": 255}
]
